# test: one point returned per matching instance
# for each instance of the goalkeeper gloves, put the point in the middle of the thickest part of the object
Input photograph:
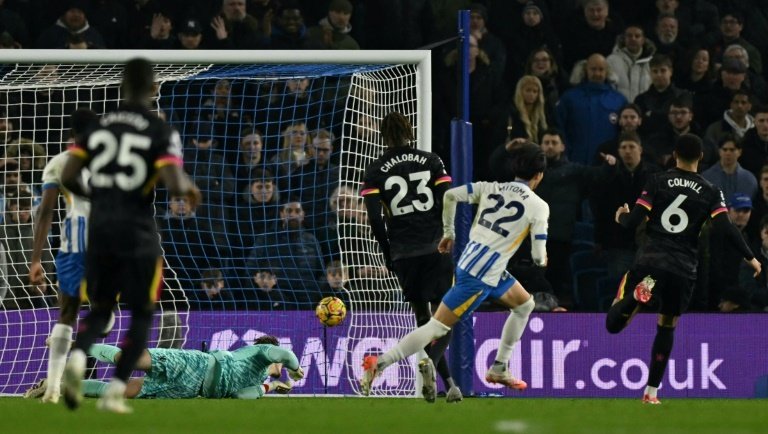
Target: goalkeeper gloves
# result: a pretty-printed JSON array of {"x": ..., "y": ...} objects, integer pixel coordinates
[
  {"x": 280, "y": 387},
  {"x": 296, "y": 375}
]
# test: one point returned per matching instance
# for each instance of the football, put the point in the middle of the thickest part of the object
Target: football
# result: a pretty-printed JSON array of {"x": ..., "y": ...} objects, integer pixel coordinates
[{"x": 331, "y": 311}]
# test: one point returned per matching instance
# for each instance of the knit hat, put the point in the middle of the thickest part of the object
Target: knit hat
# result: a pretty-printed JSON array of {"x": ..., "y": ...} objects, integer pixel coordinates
[
  {"x": 532, "y": 5},
  {"x": 480, "y": 9}
]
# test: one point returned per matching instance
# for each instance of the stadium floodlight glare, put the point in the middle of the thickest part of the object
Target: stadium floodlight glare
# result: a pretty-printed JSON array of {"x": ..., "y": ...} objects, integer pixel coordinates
[{"x": 222, "y": 95}]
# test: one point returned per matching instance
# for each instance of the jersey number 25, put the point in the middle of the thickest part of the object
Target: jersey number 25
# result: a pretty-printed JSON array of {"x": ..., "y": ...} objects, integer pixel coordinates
[{"x": 133, "y": 169}]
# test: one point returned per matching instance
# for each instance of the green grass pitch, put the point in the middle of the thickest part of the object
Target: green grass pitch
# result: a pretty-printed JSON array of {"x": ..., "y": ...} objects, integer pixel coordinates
[{"x": 383, "y": 415}]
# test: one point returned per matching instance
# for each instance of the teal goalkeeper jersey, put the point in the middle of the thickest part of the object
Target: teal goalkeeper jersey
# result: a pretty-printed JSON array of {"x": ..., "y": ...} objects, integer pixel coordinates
[{"x": 246, "y": 367}]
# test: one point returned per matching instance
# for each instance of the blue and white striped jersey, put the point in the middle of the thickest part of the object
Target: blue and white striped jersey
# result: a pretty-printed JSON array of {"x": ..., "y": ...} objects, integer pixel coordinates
[
  {"x": 74, "y": 227},
  {"x": 506, "y": 214}
]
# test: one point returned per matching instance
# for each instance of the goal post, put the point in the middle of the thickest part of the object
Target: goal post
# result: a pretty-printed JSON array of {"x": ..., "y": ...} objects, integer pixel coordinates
[{"x": 223, "y": 103}]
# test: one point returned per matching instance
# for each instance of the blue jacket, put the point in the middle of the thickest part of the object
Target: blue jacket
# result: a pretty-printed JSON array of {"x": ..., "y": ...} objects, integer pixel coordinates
[{"x": 588, "y": 115}]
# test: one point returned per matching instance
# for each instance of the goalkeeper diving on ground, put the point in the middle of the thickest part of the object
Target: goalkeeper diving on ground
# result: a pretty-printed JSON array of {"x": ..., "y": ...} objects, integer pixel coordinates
[{"x": 176, "y": 373}]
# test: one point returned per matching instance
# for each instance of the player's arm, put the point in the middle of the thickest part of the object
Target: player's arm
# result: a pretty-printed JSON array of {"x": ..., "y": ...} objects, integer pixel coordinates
[
  {"x": 539, "y": 228},
  {"x": 70, "y": 173},
  {"x": 274, "y": 354},
  {"x": 721, "y": 222},
  {"x": 179, "y": 184},
  {"x": 42, "y": 226},
  {"x": 372, "y": 201},
  {"x": 451, "y": 199}
]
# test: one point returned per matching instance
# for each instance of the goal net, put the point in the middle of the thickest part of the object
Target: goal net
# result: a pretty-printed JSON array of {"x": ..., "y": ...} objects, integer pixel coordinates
[{"x": 278, "y": 146}]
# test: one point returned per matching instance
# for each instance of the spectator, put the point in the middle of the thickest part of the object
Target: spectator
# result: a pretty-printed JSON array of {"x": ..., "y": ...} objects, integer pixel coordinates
[
  {"x": 289, "y": 32},
  {"x": 222, "y": 109},
  {"x": 731, "y": 26},
  {"x": 533, "y": 34},
  {"x": 250, "y": 157},
  {"x": 680, "y": 121},
  {"x": 698, "y": 19},
  {"x": 755, "y": 82},
  {"x": 234, "y": 28},
  {"x": 14, "y": 25},
  {"x": 16, "y": 233},
  {"x": 757, "y": 287},
  {"x": 630, "y": 121},
  {"x": 725, "y": 291},
  {"x": 592, "y": 32},
  {"x": 622, "y": 186},
  {"x": 727, "y": 174},
  {"x": 73, "y": 20},
  {"x": 347, "y": 220},
  {"x": 710, "y": 106},
  {"x": 293, "y": 256},
  {"x": 332, "y": 32},
  {"x": 630, "y": 61},
  {"x": 160, "y": 36},
  {"x": 187, "y": 242},
  {"x": 258, "y": 211},
  {"x": 527, "y": 116},
  {"x": 75, "y": 41},
  {"x": 486, "y": 40},
  {"x": 336, "y": 281},
  {"x": 292, "y": 155},
  {"x": 312, "y": 183},
  {"x": 759, "y": 206},
  {"x": 207, "y": 168},
  {"x": 112, "y": 20},
  {"x": 4, "y": 285},
  {"x": 697, "y": 72},
  {"x": 736, "y": 121},
  {"x": 31, "y": 159},
  {"x": 564, "y": 187},
  {"x": 190, "y": 35},
  {"x": 754, "y": 145},
  {"x": 486, "y": 104},
  {"x": 213, "y": 293},
  {"x": 665, "y": 37},
  {"x": 655, "y": 101},
  {"x": 588, "y": 112},
  {"x": 542, "y": 64}
]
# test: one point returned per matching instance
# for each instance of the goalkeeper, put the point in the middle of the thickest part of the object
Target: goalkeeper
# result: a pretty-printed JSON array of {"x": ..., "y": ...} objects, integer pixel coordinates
[{"x": 176, "y": 373}]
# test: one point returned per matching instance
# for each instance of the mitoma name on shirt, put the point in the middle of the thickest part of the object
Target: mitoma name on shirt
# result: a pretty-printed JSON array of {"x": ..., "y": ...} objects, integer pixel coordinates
[
  {"x": 134, "y": 119},
  {"x": 514, "y": 188},
  {"x": 682, "y": 182},
  {"x": 403, "y": 159}
]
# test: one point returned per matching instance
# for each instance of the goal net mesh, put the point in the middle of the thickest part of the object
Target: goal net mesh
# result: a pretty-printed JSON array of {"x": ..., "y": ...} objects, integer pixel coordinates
[{"x": 279, "y": 153}]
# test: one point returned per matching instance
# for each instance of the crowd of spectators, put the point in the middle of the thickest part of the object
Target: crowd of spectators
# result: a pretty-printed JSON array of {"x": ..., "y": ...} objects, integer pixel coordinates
[{"x": 604, "y": 86}]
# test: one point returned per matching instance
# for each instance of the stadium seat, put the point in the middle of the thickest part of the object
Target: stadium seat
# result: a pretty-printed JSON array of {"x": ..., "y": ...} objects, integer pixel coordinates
[{"x": 587, "y": 268}]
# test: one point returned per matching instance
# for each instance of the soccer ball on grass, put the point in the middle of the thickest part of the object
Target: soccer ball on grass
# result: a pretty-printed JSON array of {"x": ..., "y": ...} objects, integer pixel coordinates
[{"x": 331, "y": 311}]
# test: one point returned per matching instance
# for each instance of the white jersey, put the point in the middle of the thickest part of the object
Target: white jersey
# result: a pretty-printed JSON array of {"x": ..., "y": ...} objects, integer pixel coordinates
[
  {"x": 506, "y": 214},
  {"x": 74, "y": 227}
]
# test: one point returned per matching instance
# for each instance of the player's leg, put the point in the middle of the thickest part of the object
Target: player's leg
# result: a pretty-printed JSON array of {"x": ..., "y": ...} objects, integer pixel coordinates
[
  {"x": 99, "y": 273},
  {"x": 521, "y": 304},
  {"x": 141, "y": 279},
  {"x": 96, "y": 388},
  {"x": 70, "y": 268},
  {"x": 462, "y": 299},
  {"x": 59, "y": 343},
  {"x": 675, "y": 294},
  {"x": 625, "y": 305}
]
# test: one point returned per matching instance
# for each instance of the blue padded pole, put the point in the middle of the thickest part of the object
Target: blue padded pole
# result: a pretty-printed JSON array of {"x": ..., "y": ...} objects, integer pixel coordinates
[{"x": 462, "y": 353}]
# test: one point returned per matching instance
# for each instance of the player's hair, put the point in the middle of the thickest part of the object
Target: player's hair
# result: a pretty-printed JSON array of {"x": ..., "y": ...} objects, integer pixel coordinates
[
  {"x": 684, "y": 100},
  {"x": 80, "y": 119},
  {"x": 743, "y": 92},
  {"x": 688, "y": 148},
  {"x": 266, "y": 340},
  {"x": 729, "y": 138},
  {"x": 528, "y": 160},
  {"x": 660, "y": 60},
  {"x": 396, "y": 130},
  {"x": 138, "y": 79},
  {"x": 630, "y": 136}
]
